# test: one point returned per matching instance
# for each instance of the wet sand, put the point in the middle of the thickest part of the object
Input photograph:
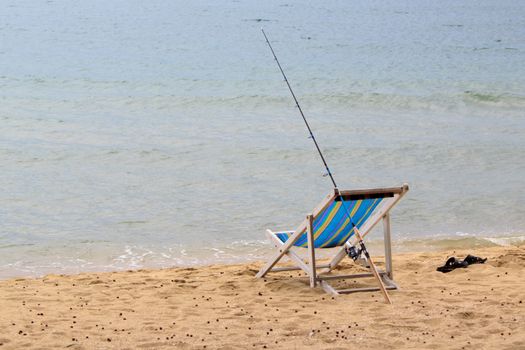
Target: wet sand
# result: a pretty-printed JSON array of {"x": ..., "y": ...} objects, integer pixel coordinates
[{"x": 225, "y": 307}]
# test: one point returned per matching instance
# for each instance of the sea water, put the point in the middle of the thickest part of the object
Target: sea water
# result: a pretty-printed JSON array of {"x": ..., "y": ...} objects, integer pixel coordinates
[{"x": 160, "y": 133}]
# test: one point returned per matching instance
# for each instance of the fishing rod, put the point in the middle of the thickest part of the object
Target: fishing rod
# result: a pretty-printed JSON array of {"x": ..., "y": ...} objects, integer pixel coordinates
[
  {"x": 354, "y": 254},
  {"x": 300, "y": 111}
]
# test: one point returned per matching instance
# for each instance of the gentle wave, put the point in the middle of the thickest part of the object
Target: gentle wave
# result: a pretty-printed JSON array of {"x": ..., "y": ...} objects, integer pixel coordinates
[
  {"x": 455, "y": 242},
  {"x": 473, "y": 100},
  {"x": 139, "y": 257}
]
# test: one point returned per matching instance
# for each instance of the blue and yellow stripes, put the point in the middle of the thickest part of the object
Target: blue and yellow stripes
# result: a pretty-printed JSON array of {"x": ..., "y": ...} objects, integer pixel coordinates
[{"x": 332, "y": 227}]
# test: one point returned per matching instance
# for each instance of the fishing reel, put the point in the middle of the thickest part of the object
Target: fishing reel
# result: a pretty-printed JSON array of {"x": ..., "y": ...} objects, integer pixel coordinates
[{"x": 353, "y": 252}]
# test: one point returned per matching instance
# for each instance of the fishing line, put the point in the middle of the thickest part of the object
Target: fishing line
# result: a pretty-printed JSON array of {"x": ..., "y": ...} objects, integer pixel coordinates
[
  {"x": 300, "y": 111},
  {"x": 329, "y": 173}
]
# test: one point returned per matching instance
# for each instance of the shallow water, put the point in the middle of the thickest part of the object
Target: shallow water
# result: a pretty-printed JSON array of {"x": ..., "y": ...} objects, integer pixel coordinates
[{"x": 154, "y": 134}]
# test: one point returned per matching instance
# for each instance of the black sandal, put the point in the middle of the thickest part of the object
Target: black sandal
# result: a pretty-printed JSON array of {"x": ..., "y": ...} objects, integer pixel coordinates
[
  {"x": 471, "y": 259},
  {"x": 451, "y": 264}
]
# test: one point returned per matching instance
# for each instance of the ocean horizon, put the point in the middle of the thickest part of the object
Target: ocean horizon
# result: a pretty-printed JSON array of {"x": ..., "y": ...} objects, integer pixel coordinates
[{"x": 145, "y": 135}]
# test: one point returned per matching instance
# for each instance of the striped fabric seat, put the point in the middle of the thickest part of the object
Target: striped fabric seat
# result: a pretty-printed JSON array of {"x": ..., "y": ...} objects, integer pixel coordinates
[{"x": 332, "y": 227}]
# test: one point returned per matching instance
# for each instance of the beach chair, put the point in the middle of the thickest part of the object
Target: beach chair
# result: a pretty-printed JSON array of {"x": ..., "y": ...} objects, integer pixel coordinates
[{"x": 328, "y": 226}]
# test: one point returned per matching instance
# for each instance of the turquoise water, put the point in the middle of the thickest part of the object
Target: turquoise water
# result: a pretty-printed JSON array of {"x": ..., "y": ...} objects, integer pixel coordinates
[{"x": 146, "y": 134}]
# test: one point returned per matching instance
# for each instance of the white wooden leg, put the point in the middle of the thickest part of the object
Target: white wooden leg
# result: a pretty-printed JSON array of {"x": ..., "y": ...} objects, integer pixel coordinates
[
  {"x": 311, "y": 250},
  {"x": 388, "y": 246}
]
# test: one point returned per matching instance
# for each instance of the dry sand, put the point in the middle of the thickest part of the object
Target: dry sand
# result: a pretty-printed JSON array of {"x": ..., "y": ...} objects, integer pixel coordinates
[{"x": 225, "y": 307}]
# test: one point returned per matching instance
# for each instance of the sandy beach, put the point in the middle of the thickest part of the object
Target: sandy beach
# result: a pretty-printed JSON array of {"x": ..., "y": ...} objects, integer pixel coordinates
[{"x": 225, "y": 307}]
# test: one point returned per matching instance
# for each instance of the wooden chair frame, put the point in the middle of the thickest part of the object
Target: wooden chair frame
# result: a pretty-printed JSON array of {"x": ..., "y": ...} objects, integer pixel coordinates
[{"x": 382, "y": 213}]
